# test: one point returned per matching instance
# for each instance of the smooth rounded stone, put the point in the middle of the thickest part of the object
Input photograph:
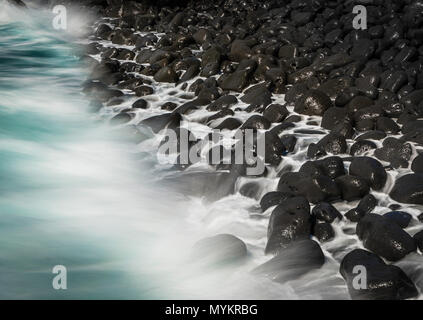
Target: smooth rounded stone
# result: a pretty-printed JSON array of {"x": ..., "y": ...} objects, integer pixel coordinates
[
  {"x": 221, "y": 114},
  {"x": 366, "y": 88},
  {"x": 272, "y": 198},
  {"x": 358, "y": 103},
  {"x": 384, "y": 237},
  {"x": 412, "y": 126},
  {"x": 236, "y": 81},
  {"x": 323, "y": 231},
  {"x": 290, "y": 221},
  {"x": 334, "y": 116},
  {"x": 344, "y": 129},
  {"x": 140, "y": 104},
  {"x": 121, "y": 118},
  {"x": 332, "y": 167},
  {"x": 394, "y": 81},
  {"x": 332, "y": 143},
  {"x": 371, "y": 135},
  {"x": 361, "y": 147},
  {"x": 392, "y": 109},
  {"x": 417, "y": 164},
  {"x": 191, "y": 106},
  {"x": 256, "y": 122},
  {"x": 257, "y": 95},
  {"x": 414, "y": 98},
  {"x": 250, "y": 190},
  {"x": 368, "y": 113},
  {"x": 289, "y": 141},
  {"x": 363, "y": 49},
  {"x": 275, "y": 113},
  {"x": 169, "y": 106},
  {"x": 163, "y": 121},
  {"x": 401, "y": 218},
  {"x": 202, "y": 35},
  {"x": 352, "y": 187},
  {"x": 365, "y": 206},
  {"x": 229, "y": 124},
  {"x": 387, "y": 125},
  {"x": 280, "y": 128},
  {"x": 166, "y": 74},
  {"x": 408, "y": 189},
  {"x": 223, "y": 102},
  {"x": 222, "y": 248},
  {"x": 418, "y": 237},
  {"x": 142, "y": 91},
  {"x": 365, "y": 125},
  {"x": 316, "y": 189},
  {"x": 326, "y": 212},
  {"x": 314, "y": 102},
  {"x": 295, "y": 92},
  {"x": 384, "y": 282},
  {"x": 301, "y": 75},
  {"x": 394, "y": 151},
  {"x": 370, "y": 170},
  {"x": 297, "y": 259},
  {"x": 274, "y": 148}
]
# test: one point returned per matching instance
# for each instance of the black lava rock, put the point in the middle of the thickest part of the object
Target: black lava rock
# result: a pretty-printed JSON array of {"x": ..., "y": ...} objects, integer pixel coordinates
[
  {"x": 370, "y": 170},
  {"x": 384, "y": 282},
  {"x": 408, "y": 189},
  {"x": 384, "y": 237},
  {"x": 290, "y": 221}
]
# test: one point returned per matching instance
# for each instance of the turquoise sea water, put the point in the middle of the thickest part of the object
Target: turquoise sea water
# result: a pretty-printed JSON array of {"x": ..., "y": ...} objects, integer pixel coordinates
[{"x": 67, "y": 188}]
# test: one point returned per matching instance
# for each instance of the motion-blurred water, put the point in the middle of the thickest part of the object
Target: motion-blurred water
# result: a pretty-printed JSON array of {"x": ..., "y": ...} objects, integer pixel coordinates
[{"x": 69, "y": 189}]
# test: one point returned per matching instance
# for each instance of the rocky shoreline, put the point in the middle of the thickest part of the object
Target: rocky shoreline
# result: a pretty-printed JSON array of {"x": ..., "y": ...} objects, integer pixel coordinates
[{"x": 341, "y": 108}]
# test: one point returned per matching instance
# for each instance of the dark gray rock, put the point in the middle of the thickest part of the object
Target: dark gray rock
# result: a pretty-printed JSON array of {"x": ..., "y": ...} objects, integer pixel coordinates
[
  {"x": 384, "y": 282},
  {"x": 384, "y": 237},
  {"x": 370, "y": 170},
  {"x": 408, "y": 189}
]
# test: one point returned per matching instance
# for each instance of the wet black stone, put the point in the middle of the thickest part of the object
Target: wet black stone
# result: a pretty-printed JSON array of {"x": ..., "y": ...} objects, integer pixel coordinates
[
  {"x": 229, "y": 124},
  {"x": 289, "y": 141},
  {"x": 256, "y": 122},
  {"x": 418, "y": 237},
  {"x": 295, "y": 92},
  {"x": 290, "y": 221},
  {"x": 169, "y": 106},
  {"x": 417, "y": 164},
  {"x": 372, "y": 135},
  {"x": 333, "y": 117},
  {"x": 326, "y": 212},
  {"x": 387, "y": 125},
  {"x": 370, "y": 170},
  {"x": 160, "y": 122},
  {"x": 358, "y": 103},
  {"x": 272, "y": 198},
  {"x": 140, "y": 104},
  {"x": 384, "y": 237},
  {"x": 225, "y": 101},
  {"x": 401, "y": 218},
  {"x": 408, "y": 189},
  {"x": 332, "y": 143},
  {"x": 143, "y": 91},
  {"x": 361, "y": 147},
  {"x": 394, "y": 151},
  {"x": 314, "y": 102},
  {"x": 323, "y": 231},
  {"x": 352, "y": 187},
  {"x": 365, "y": 206},
  {"x": 257, "y": 95},
  {"x": 384, "y": 282},
  {"x": 295, "y": 260},
  {"x": 275, "y": 113},
  {"x": 166, "y": 74}
]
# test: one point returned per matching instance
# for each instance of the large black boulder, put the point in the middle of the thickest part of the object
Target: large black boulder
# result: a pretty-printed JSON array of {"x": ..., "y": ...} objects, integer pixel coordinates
[
  {"x": 384, "y": 282},
  {"x": 384, "y": 237},
  {"x": 314, "y": 102},
  {"x": 408, "y": 189},
  {"x": 292, "y": 262},
  {"x": 289, "y": 221},
  {"x": 369, "y": 169}
]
